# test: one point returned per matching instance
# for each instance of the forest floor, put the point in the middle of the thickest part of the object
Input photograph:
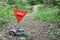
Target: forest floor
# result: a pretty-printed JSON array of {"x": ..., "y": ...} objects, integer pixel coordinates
[{"x": 39, "y": 29}]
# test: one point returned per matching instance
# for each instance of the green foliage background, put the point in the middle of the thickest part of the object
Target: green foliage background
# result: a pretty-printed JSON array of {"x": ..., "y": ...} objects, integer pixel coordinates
[
  {"x": 6, "y": 10},
  {"x": 6, "y": 13},
  {"x": 48, "y": 10}
]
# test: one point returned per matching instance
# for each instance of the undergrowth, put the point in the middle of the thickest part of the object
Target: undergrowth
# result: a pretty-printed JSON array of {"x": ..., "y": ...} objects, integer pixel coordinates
[
  {"x": 50, "y": 14},
  {"x": 7, "y": 11}
]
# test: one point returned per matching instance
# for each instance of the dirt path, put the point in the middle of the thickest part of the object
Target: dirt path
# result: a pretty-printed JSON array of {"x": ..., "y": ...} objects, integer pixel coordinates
[{"x": 40, "y": 29}]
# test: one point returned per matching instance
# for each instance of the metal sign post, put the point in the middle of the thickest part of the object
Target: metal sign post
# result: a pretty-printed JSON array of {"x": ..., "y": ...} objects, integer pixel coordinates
[{"x": 20, "y": 14}]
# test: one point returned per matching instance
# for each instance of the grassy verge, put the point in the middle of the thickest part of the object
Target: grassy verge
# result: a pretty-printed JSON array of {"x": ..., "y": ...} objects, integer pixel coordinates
[
  {"x": 48, "y": 14},
  {"x": 6, "y": 11},
  {"x": 51, "y": 15}
]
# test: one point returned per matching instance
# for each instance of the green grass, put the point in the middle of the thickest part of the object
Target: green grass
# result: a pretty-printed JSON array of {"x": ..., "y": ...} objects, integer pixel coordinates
[
  {"x": 48, "y": 14},
  {"x": 6, "y": 13}
]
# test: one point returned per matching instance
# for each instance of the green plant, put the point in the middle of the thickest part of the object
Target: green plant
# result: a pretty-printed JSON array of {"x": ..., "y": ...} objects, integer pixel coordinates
[
  {"x": 57, "y": 33},
  {"x": 51, "y": 34},
  {"x": 6, "y": 13}
]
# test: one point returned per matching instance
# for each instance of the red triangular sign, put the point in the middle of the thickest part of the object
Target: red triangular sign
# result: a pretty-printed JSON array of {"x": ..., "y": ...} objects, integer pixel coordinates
[{"x": 19, "y": 14}]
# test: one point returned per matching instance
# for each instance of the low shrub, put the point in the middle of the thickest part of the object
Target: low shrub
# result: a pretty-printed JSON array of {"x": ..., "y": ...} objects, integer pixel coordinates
[{"x": 6, "y": 13}]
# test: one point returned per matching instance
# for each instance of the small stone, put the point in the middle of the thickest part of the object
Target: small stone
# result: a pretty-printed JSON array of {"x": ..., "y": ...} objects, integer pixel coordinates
[
  {"x": 0, "y": 35},
  {"x": 46, "y": 32},
  {"x": 10, "y": 36},
  {"x": 45, "y": 35},
  {"x": 50, "y": 27},
  {"x": 4, "y": 38}
]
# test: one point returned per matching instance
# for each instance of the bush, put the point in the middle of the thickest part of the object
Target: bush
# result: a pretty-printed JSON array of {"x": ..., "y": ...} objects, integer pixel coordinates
[
  {"x": 6, "y": 13},
  {"x": 48, "y": 14}
]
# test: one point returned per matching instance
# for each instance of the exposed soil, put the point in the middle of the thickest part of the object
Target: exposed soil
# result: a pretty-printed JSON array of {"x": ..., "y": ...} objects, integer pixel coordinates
[{"x": 39, "y": 29}]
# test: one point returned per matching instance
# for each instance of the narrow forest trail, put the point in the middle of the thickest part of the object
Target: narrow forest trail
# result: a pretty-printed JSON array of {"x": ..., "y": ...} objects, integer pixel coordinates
[{"x": 39, "y": 29}]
